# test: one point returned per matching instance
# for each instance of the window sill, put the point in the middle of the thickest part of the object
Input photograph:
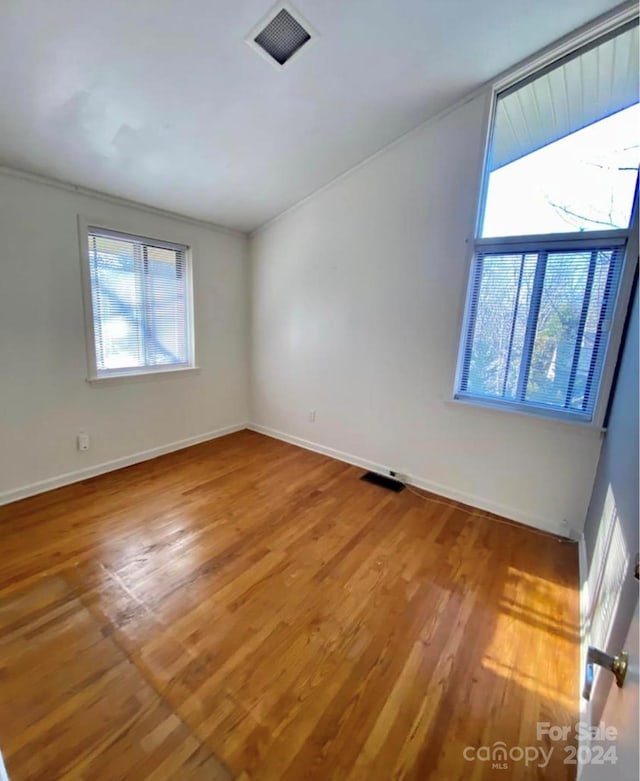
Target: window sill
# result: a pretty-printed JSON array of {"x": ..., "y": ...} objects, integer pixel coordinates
[
  {"x": 118, "y": 378},
  {"x": 587, "y": 426}
]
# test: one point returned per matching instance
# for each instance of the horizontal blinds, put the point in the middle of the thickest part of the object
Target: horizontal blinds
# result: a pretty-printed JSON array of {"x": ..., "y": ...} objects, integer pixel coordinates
[
  {"x": 129, "y": 237},
  {"x": 538, "y": 323},
  {"x": 139, "y": 301}
]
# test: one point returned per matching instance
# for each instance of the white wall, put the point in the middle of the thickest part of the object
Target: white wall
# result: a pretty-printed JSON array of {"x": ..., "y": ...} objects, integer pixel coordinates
[
  {"x": 44, "y": 398},
  {"x": 357, "y": 296},
  {"x": 357, "y": 302}
]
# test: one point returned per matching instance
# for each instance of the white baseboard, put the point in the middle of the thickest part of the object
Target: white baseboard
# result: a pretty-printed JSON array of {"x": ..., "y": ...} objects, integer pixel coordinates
[
  {"x": 419, "y": 482},
  {"x": 448, "y": 492},
  {"x": 325, "y": 451},
  {"x": 109, "y": 466}
]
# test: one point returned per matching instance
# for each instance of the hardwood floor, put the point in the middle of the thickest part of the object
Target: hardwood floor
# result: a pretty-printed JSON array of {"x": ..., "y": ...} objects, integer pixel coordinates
[{"x": 245, "y": 609}]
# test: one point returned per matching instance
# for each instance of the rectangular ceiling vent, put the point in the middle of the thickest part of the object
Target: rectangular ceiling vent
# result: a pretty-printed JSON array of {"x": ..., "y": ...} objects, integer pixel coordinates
[{"x": 281, "y": 35}]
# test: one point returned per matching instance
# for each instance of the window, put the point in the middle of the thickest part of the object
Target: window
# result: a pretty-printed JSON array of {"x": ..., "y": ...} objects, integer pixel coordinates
[
  {"x": 138, "y": 303},
  {"x": 550, "y": 273}
]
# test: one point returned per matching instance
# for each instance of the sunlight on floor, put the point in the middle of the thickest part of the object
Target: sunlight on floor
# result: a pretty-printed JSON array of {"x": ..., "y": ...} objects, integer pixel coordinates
[{"x": 531, "y": 611}]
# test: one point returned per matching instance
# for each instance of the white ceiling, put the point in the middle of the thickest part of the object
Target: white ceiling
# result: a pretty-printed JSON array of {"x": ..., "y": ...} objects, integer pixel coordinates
[{"x": 162, "y": 102}]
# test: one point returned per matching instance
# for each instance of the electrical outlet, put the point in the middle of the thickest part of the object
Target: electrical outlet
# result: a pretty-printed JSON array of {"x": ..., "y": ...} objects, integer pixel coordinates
[
  {"x": 312, "y": 416},
  {"x": 83, "y": 441}
]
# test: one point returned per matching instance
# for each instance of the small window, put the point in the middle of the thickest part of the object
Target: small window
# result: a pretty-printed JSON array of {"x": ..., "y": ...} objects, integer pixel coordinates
[
  {"x": 138, "y": 304},
  {"x": 559, "y": 200}
]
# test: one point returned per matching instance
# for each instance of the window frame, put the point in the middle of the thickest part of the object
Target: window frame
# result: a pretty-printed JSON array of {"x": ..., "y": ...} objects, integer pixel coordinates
[
  {"x": 549, "y": 242},
  {"x": 94, "y": 374}
]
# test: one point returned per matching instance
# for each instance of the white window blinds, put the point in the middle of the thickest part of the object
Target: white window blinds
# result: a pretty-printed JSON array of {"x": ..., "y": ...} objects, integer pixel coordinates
[
  {"x": 538, "y": 326},
  {"x": 140, "y": 303},
  {"x": 555, "y": 248}
]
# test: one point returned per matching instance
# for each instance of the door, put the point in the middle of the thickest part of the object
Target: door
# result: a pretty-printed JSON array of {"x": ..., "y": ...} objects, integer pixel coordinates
[
  {"x": 620, "y": 711},
  {"x": 611, "y": 543}
]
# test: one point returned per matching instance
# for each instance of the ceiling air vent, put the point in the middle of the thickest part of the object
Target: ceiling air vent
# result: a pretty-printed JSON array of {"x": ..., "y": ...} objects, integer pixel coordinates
[{"x": 281, "y": 35}]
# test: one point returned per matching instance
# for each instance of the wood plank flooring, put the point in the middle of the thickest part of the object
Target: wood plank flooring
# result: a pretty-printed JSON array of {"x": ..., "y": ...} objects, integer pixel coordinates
[{"x": 245, "y": 609}]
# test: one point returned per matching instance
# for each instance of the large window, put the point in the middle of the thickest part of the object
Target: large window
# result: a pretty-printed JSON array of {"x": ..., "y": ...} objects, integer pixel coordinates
[
  {"x": 551, "y": 265},
  {"x": 138, "y": 304}
]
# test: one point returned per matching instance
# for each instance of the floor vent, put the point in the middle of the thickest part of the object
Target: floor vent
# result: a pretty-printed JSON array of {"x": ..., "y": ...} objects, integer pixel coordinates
[
  {"x": 281, "y": 37},
  {"x": 384, "y": 482}
]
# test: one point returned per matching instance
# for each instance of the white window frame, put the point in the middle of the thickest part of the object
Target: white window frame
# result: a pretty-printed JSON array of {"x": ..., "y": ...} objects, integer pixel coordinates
[
  {"x": 100, "y": 375},
  {"x": 556, "y": 241}
]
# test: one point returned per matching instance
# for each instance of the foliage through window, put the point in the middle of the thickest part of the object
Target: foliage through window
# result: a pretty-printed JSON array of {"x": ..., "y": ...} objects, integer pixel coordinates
[
  {"x": 140, "y": 304},
  {"x": 560, "y": 188}
]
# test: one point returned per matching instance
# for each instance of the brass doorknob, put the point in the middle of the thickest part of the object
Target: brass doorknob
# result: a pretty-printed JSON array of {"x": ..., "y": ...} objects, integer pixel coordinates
[{"x": 618, "y": 665}]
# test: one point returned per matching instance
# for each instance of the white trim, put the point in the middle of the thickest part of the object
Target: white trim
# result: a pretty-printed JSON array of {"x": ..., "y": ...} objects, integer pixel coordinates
[
  {"x": 136, "y": 238},
  {"x": 116, "y": 376},
  {"x": 584, "y": 706},
  {"x": 603, "y": 26},
  {"x": 87, "y": 297},
  {"x": 554, "y": 241},
  {"x": 581, "y": 422},
  {"x": 620, "y": 310},
  {"x": 609, "y": 349},
  {"x": 13, "y": 495},
  {"x": 266, "y": 19},
  {"x": 60, "y": 184},
  {"x": 543, "y": 61},
  {"x": 549, "y": 242},
  {"x": 558, "y": 529},
  {"x": 108, "y": 229},
  {"x": 583, "y": 36}
]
